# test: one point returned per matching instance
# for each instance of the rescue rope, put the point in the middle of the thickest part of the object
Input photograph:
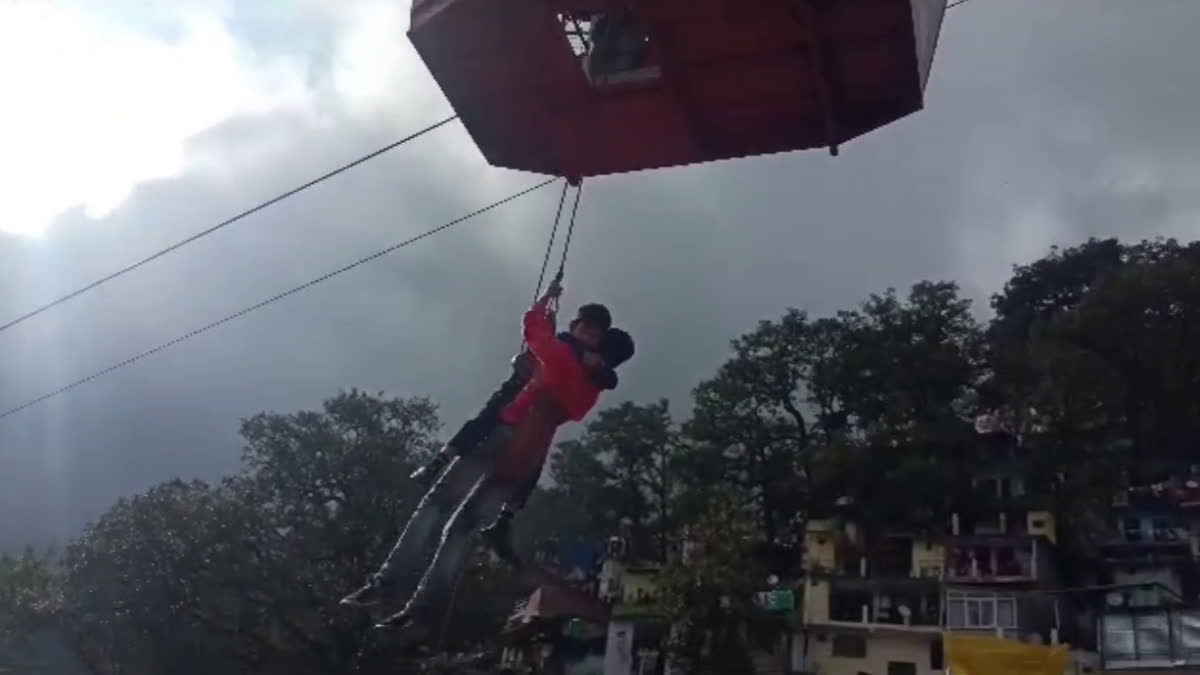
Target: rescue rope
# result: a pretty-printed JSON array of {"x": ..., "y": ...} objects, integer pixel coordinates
[
  {"x": 562, "y": 198},
  {"x": 562, "y": 264}
]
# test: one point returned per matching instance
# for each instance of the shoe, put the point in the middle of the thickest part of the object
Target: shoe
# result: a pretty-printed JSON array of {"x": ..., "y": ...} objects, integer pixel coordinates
[
  {"x": 401, "y": 618},
  {"x": 370, "y": 595},
  {"x": 425, "y": 475},
  {"x": 404, "y": 629},
  {"x": 498, "y": 536}
]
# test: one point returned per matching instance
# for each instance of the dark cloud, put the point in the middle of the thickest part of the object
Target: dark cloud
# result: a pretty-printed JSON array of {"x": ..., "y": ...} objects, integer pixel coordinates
[{"x": 1039, "y": 129}]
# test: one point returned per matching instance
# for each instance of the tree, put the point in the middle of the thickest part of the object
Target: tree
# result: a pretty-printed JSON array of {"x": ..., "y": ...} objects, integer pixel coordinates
[
  {"x": 908, "y": 367},
  {"x": 620, "y": 474},
  {"x": 710, "y": 592},
  {"x": 750, "y": 427},
  {"x": 1023, "y": 353},
  {"x": 246, "y": 575},
  {"x": 867, "y": 411},
  {"x": 852, "y": 405},
  {"x": 141, "y": 581},
  {"x": 1103, "y": 309},
  {"x": 1088, "y": 355},
  {"x": 905, "y": 372},
  {"x": 30, "y": 595},
  {"x": 1141, "y": 322}
]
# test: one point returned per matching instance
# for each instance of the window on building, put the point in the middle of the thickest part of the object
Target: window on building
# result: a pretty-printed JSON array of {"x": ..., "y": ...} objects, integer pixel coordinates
[
  {"x": 1132, "y": 528},
  {"x": 1006, "y": 612},
  {"x": 982, "y": 558},
  {"x": 850, "y": 646},
  {"x": 1017, "y": 487},
  {"x": 901, "y": 668},
  {"x": 981, "y": 611},
  {"x": 1159, "y": 528},
  {"x": 1163, "y": 529},
  {"x": 987, "y": 487},
  {"x": 990, "y": 524},
  {"x": 1007, "y": 564},
  {"x": 1136, "y": 637},
  {"x": 847, "y": 605}
]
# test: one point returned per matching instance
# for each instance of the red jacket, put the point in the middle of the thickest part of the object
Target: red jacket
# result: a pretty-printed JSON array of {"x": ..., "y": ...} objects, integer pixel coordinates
[
  {"x": 559, "y": 374},
  {"x": 560, "y": 390}
]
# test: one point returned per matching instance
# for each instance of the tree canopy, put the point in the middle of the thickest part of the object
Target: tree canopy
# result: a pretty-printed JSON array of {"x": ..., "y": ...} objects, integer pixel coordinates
[{"x": 1088, "y": 356}]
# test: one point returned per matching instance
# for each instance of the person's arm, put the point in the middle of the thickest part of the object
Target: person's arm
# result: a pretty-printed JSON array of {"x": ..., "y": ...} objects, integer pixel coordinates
[
  {"x": 538, "y": 329},
  {"x": 523, "y": 366}
]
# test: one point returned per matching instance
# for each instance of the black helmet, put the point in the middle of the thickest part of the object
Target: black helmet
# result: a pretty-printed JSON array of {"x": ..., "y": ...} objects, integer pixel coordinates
[{"x": 595, "y": 314}]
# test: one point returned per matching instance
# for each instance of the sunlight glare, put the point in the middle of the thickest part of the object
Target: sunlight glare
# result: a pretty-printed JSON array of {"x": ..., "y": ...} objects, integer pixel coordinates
[{"x": 93, "y": 108}]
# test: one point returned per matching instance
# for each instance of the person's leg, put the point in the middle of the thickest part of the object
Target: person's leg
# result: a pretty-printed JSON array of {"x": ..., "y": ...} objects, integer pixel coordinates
[
  {"x": 473, "y": 432},
  {"x": 432, "y": 596},
  {"x": 430, "y": 515},
  {"x": 498, "y": 535}
]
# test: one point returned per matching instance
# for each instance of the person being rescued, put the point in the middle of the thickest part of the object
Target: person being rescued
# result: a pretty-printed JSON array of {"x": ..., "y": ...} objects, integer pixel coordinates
[
  {"x": 497, "y": 470},
  {"x": 592, "y": 323},
  {"x": 618, "y": 44}
]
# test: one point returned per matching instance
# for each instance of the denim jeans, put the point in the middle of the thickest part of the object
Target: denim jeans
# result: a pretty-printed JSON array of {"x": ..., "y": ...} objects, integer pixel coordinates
[{"x": 465, "y": 494}]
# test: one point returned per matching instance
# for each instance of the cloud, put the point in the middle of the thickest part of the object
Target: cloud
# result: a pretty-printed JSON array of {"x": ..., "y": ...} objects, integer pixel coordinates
[
  {"x": 1036, "y": 131},
  {"x": 94, "y": 108}
]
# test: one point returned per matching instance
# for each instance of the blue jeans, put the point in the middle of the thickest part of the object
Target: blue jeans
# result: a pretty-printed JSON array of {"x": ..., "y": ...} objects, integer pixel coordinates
[{"x": 465, "y": 494}]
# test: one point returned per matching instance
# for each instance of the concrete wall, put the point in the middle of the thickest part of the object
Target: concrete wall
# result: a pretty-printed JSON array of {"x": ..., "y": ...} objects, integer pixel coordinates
[
  {"x": 816, "y": 601},
  {"x": 1047, "y": 566},
  {"x": 881, "y": 649},
  {"x": 1042, "y": 523},
  {"x": 820, "y": 550},
  {"x": 927, "y": 555}
]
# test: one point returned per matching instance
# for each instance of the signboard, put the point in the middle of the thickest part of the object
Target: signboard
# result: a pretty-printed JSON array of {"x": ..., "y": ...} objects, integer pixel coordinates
[{"x": 782, "y": 600}]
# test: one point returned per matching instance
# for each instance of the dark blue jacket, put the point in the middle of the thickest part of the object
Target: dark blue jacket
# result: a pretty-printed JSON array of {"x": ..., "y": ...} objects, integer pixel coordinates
[{"x": 605, "y": 379}]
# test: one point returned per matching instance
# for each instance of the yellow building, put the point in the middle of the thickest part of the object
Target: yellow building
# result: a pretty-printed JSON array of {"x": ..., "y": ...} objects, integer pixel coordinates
[{"x": 881, "y": 617}]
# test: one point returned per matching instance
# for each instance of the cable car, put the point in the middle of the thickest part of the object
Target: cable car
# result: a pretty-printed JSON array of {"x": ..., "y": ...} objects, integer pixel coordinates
[{"x": 591, "y": 87}]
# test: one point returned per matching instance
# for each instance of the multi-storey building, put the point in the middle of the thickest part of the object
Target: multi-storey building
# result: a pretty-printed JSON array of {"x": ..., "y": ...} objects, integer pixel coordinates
[
  {"x": 1148, "y": 617},
  {"x": 871, "y": 609}
]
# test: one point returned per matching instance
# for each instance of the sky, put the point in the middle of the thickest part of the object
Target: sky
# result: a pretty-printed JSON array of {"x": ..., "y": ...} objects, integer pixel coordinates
[{"x": 127, "y": 126}]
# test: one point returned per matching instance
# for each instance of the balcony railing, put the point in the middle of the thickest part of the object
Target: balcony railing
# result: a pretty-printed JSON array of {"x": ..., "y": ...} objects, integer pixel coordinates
[
  {"x": 912, "y": 608},
  {"x": 992, "y": 562},
  {"x": 1160, "y": 536}
]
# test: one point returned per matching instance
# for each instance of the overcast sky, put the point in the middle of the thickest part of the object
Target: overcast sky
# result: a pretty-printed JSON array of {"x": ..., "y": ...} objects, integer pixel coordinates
[{"x": 126, "y": 126}]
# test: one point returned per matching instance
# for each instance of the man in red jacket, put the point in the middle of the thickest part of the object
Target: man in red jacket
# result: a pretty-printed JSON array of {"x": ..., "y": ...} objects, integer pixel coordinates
[
  {"x": 561, "y": 389},
  {"x": 616, "y": 348}
]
